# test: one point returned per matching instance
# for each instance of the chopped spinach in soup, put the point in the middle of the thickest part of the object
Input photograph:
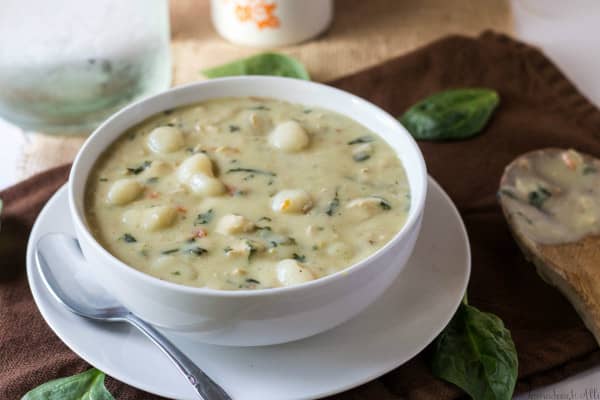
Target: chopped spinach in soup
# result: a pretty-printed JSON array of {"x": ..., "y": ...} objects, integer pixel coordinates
[{"x": 246, "y": 193}]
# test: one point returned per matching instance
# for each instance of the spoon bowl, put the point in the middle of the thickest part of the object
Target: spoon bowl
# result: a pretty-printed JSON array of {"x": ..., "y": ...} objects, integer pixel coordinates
[
  {"x": 72, "y": 286},
  {"x": 545, "y": 222},
  {"x": 77, "y": 290}
]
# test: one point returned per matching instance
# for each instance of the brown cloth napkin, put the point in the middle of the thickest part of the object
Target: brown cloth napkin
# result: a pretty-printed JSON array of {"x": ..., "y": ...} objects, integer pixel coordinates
[{"x": 539, "y": 108}]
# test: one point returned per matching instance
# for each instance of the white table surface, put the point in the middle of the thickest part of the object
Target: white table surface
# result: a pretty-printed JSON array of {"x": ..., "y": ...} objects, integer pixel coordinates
[{"x": 568, "y": 32}]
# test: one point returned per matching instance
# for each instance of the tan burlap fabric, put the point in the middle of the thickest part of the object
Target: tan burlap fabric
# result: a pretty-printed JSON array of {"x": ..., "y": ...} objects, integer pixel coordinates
[
  {"x": 539, "y": 108},
  {"x": 363, "y": 33}
]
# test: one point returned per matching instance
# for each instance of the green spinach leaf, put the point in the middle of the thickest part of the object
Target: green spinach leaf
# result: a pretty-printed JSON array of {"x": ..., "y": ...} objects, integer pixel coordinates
[
  {"x": 537, "y": 197},
  {"x": 128, "y": 238},
  {"x": 383, "y": 203},
  {"x": 476, "y": 353},
  {"x": 261, "y": 64},
  {"x": 299, "y": 257},
  {"x": 88, "y": 385},
  {"x": 333, "y": 205},
  {"x": 251, "y": 171},
  {"x": 362, "y": 139},
  {"x": 140, "y": 168},
  {"x": 451, "y": 115},
  {"x": 361, "y": 156},
  {"x": 589, "y": 169},
  {"x": 197, "y": 250},
  {"x": 205, "y": 217}
]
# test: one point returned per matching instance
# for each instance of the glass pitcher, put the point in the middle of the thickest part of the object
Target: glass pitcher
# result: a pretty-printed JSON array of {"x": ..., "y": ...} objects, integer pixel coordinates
[{"x": 65, "y": 65}]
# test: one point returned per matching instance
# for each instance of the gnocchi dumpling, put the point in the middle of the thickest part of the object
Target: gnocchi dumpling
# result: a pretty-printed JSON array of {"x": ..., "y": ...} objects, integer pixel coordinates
[
  {"x": 244, "y": 248},
  {"x": 132, "y": 218},
  {"x": 362, "y": 152},
  {"x": 292, "y": 201},
  {"x": 151, "y": 219},
  {"x": 197, "y": 164},
  {"x": 157, "y": 169},
  {"x": 124, "y": 191},
  {"x": 158, "y": 217},
  {"x": 291, "y": 272},
  {"x": 368, "y": 205},
  {"x": 340, "y": 249},
  {"x": 205, "y": 185},
  {"x": 165, "y": 139},
  {"x": 197, "y": 173},
  {"x": 250, "y": 193},
  {"x": 289, "y": 136},
  {"x": 232, "y": 224}
]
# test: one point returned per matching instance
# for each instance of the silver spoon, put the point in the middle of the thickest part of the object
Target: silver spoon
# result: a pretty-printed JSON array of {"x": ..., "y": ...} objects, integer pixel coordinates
[{"x": 71, "y": 285}]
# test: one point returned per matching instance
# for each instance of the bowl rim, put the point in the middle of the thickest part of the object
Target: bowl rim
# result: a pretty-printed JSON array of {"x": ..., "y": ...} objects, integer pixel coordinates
[{"x": 413, "y": 217}]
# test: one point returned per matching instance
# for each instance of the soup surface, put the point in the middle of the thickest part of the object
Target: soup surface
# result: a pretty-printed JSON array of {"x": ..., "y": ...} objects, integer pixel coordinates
[{"x": 246, "y": 193}]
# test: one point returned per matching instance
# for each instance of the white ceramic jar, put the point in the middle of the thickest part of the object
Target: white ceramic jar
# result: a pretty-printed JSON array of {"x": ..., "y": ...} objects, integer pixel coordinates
[{"x": 268, "y": 23}]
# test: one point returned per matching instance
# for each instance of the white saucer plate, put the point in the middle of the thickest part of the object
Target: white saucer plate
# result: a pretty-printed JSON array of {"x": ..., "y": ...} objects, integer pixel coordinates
[{"x": 390, "y": 332}]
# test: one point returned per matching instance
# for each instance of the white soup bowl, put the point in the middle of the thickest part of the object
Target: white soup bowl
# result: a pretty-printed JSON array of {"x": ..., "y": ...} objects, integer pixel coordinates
[{"x": 252, "y": 317}]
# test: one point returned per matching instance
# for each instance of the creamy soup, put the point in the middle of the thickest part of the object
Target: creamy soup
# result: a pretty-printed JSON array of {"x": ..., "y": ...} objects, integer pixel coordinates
[
  {"x": 246, "y": 193},
  {"x": 552, "y": 195}
]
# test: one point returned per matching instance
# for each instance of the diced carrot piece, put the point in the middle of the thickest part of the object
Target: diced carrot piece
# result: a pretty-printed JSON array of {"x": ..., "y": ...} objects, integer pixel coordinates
[
  {"x": 200, "y": 233},
  {"x": 569, "y": 162}
]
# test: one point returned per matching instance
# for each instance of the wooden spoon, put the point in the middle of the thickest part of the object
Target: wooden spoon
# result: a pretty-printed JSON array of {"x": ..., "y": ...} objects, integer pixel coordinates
[{"x": 557, "y": 224}]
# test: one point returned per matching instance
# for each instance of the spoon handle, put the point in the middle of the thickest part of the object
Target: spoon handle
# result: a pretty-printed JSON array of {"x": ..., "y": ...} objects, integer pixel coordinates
[{"x": 206, "y": 387}]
